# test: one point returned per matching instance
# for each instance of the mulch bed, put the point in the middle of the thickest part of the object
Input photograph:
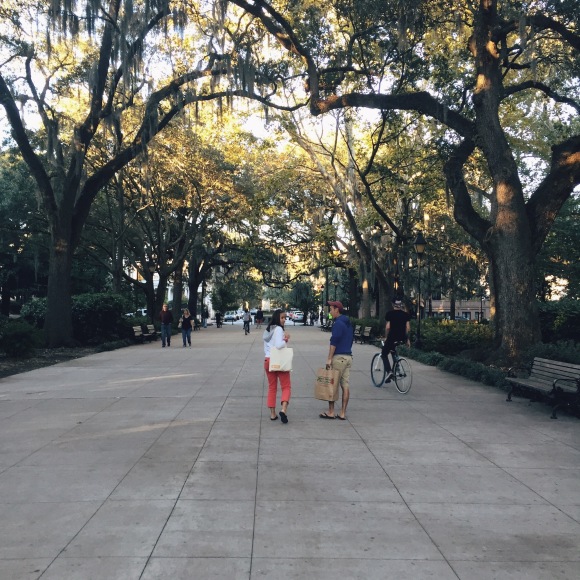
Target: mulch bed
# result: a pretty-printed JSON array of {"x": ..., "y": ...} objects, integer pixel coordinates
[{"x": 43, "y": 357}]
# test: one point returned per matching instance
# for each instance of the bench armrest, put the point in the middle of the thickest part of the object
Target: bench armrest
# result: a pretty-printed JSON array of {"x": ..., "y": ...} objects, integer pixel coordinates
[
  {"x": 575, "y": 382},
  {"x": 513, "y": 371}
]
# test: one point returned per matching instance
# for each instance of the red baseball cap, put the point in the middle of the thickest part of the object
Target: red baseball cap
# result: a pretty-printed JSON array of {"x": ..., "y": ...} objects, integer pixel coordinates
[{"x": 337, "y": 304}]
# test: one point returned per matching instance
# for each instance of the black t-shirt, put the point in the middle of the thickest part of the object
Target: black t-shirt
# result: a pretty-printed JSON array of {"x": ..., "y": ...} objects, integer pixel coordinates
[{"x": 398, "y": 320}]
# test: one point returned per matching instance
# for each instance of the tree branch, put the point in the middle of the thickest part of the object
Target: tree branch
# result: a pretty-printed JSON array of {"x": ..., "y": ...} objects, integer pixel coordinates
[
  {"x": 28, "y": 154},
  {"x": 543, "y": 88},
  {"x": 464, "y": 211},
  {"x": 546, "y": 201}
]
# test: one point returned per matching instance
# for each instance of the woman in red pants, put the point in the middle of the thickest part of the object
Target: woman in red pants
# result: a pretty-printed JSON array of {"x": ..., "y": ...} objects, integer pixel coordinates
[{"x": 276, "y": 337}]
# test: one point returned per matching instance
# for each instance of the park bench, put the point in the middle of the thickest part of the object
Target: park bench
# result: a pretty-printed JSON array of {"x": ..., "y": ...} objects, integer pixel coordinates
[
  {"x": 196, "y": 324},
  {"x": 356, "y": 332},
  {"x": 140, "y": 335},
  {"x": 365, "y": 335},
  {"x": 151, "y": 331},
  {"x": 555, "y": 381}
]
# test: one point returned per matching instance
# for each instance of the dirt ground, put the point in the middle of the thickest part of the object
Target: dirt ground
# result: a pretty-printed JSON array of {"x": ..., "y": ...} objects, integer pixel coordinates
[{"x": 42, "y": 358}]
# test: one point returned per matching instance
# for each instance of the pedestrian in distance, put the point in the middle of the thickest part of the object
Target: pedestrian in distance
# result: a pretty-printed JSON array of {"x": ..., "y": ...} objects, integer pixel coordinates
[
  {"x": 259, "y": 318},
  {"x": 340, "y": 356},
  {"x": 397, "y": 329},
  {"x": 276, "y": 337},
  {"x": 186, "y": 323},
  {"x": 247, "y": 318},
  {"x": 166, "y": 319}
]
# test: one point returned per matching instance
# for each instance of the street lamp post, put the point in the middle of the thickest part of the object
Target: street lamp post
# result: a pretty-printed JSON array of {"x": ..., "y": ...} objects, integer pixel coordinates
[
  {"x": 335, "y": 284},
  {"x": 419, "y": 244}
]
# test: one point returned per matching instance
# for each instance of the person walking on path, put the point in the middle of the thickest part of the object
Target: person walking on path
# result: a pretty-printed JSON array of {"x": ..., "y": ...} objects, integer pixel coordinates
[
  {"x": 397, "y": 329},
  {"x": 247, "y": 318},
  {"x": 276, "y": 337},
  {"x": 340, "y": 356},
  {"x": 186, "y": 328},
  {"x": 259, "y": 318},
  {"x": 166, "y": 321}
]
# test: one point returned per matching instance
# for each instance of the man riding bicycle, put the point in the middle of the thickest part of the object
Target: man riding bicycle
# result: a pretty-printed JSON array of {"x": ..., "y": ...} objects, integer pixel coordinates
[{"x": 397, "y": 329}]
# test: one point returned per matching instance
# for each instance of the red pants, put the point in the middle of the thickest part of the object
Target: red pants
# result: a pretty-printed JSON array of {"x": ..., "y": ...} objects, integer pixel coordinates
[{"x": 273, "y": 378}]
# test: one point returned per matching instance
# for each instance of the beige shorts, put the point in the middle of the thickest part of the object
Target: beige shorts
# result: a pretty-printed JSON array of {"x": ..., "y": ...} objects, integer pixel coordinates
[{"x": 343, "y": 363}]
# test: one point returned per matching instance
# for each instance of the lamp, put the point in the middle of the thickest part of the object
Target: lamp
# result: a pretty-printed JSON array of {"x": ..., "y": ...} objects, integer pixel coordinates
[
  {"x": 420, "y": 244},
  {"x": 335, "y": 284}
]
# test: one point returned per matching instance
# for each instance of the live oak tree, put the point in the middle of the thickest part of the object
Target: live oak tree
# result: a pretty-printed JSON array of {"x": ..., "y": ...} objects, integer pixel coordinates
[
  {"x": 85, "y": 75},
  {"x": 460, "y": 64}
]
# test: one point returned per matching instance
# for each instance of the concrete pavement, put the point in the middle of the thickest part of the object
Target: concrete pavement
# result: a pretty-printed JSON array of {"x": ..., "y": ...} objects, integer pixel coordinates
[{"x": 150, "y": 463}]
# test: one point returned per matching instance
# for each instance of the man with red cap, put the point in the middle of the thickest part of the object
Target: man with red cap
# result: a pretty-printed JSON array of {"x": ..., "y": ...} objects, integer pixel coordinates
[{"x": 340, "y": 356}]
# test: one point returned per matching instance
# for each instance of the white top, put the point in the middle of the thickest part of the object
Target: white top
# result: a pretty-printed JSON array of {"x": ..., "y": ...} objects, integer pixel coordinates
[{"x": 273, "y": 338}]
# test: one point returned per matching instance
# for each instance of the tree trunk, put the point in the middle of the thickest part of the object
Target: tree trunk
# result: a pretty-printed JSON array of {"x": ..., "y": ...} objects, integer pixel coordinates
[
  {"x": 365, "y": 309},
  {"x": 516, "y": 314},
  {"x": 452, "y": 294},
  {"x": 177, "y": 292},
  {"x": 58, "y": 322},
  {"x": 5, "y": 299}
]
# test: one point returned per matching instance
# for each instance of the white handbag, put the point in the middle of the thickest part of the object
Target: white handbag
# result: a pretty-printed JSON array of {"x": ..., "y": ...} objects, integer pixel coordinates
[{"x": 281, "y": 359}]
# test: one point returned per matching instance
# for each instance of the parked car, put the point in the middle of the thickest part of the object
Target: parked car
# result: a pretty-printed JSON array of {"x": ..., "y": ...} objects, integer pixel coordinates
[
  {"x": 298, "y": 316},
  {"x": 138, "y": 312},
  {"x": 253, "y": 311},
  {"x": 230, "y": 316}
]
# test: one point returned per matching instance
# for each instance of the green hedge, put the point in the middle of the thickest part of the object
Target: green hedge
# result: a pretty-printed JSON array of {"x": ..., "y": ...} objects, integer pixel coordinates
[
  {"x": 563, "y": 350},
  {"x": 97, "y": 318},
  {"x": 19, "y": 339},
  {"x": 559, "y": 320},
  {"x": 466, "y": 368},
  {"x": 450, "y": 337}
]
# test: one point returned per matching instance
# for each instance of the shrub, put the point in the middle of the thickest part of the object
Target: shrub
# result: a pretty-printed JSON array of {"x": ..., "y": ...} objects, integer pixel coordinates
[
  {"x": 19, "y": 339},
  {"x": 559, "y": 320},
  {"x": 564, "y": 351},
  {"x": 472, "y": 370},
  {"x": 450, "y": 337},
  {"x": 34, "y": 312},
  {"x": 96, "y": 317},
  {"x": 99, "y": 318}
]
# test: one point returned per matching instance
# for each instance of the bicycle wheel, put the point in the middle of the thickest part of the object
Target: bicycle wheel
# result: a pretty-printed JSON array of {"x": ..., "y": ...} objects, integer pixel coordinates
[
  {"x": 378, "y": 370},
  {"x": 403, "y": 375}
]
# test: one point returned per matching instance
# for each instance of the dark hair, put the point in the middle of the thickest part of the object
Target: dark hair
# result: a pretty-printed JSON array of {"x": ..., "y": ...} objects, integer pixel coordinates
[{"x": 275, "y": 320}]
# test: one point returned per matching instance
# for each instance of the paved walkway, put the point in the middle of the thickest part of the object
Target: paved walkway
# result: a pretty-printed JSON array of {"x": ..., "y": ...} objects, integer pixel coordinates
[{"x": 159, "y": 463}]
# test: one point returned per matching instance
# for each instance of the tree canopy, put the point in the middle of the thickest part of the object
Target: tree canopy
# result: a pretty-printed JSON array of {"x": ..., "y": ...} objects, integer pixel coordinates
[{"x": 473, "y": 104}]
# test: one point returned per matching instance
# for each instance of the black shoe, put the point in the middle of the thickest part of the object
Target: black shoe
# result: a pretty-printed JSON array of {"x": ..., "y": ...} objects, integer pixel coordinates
[{"x": 389, "y": 378}]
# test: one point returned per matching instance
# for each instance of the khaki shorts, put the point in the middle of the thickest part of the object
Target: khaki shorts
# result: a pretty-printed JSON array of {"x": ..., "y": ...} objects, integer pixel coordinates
[{"x": 343, "y": 363}]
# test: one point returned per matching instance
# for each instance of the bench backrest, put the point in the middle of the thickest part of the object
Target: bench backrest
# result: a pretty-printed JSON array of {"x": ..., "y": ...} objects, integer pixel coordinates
[
  {"x": 548, "y": 370},
  {"x": 137, "y": 330},
  {"x": 151, "y": 328},
  {"x": 367, "y": 330}
]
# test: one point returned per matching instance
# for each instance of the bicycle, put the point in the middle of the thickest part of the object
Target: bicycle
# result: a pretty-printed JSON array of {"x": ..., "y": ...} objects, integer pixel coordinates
[
  {"x": 401, "y": 371},
  {"x": 246, "y": 327}
]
